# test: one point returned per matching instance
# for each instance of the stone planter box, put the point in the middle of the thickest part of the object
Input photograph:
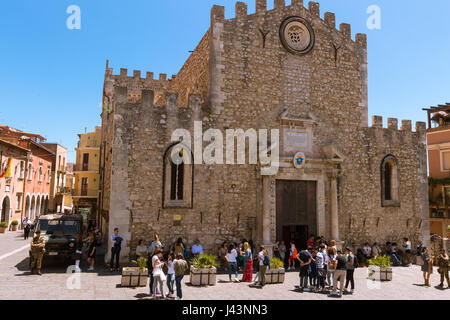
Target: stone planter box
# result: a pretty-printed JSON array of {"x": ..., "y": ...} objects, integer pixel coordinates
[
  {"x": 379, "y": 274},
  {"x": 275, "y": 276},
  {"x": 203, "y": 277},
  {"x": 14, "y": 228},
  {"x": 134, "y": 277}
]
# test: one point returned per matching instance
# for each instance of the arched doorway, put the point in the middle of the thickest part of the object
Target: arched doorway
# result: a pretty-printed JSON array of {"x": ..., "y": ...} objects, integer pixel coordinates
[
  {"x": 46, "y": 205},
  {"x": 27, "y": 207},
  {"x": 38, "y": 206},
  {"x": 42, "y": 205},
  {"x": 33, "y": 208},
  {"x": 5, "y": 209}
]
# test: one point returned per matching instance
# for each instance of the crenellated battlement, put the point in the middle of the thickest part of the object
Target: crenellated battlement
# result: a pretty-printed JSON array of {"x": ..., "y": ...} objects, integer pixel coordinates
[
  {"x": 137, "y": 75},
  {"x": 149, "y": 97},
  {"x": 313, "y": 10},
  {"x": 377, "y": 123}
]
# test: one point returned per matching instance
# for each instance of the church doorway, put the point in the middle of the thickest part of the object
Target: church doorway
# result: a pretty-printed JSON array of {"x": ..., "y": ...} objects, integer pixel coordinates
[{"x": 296, "y": 211}]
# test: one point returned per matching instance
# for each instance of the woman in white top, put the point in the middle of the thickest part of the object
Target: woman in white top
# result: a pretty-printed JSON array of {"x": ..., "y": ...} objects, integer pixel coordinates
[
  {"x": 158, "y": 274},
  {"x": 171, "y": 274},
  {"x": 232, "y": 262},
  {"x": 331, "y": 261}
]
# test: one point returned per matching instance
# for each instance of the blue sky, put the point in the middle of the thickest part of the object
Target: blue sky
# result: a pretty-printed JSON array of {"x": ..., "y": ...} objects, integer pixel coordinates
[{"x": 51, "y": 77}]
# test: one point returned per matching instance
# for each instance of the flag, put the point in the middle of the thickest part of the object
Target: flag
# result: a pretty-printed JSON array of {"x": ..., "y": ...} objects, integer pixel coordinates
[{"x": 7, "y": 171}]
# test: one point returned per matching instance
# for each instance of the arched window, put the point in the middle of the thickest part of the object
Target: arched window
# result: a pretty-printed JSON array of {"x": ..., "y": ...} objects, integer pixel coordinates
[
  {"x": 390, "y": 182},
  {"x": 178, "y": 177}
]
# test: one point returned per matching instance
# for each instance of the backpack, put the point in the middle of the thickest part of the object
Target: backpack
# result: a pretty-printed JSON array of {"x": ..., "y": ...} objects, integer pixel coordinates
[
  {"x": 266, "y": 261},
  {"x": 355, "y": 262}
]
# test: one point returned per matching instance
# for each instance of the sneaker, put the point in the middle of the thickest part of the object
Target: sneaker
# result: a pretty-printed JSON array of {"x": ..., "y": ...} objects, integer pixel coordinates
[
  {"x": 307, "y": 290},
  {"x": 111, "y": 270},
  {"x": 178, "y": 298},
  {"x": 236, "y": 280}
]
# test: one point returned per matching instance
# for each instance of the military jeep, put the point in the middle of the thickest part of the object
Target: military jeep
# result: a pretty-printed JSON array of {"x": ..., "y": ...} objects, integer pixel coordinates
[{"x": 60, "y": 232}]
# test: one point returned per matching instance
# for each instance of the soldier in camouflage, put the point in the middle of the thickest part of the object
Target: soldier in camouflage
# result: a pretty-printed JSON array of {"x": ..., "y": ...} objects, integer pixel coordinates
[{"x": 37, "y": 252}]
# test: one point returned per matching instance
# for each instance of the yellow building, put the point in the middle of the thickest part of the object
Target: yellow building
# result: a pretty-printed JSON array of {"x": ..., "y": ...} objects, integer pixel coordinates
[{"x": 86, "y": 174}]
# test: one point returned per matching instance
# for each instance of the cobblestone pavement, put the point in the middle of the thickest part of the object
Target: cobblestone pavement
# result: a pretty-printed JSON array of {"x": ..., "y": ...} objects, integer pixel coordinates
[{"x": 17, "y": 283}]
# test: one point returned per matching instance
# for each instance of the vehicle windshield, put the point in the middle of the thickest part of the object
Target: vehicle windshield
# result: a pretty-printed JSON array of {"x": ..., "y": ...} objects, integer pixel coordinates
[{"x": 50, "y": 226}]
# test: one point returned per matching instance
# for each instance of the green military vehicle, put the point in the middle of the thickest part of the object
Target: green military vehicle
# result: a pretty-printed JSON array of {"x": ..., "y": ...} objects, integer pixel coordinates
[{"x": 60, "y": 232}]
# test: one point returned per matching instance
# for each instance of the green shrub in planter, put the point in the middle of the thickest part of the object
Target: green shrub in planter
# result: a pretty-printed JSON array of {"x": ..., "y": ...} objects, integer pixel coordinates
[
  {"x": 141, "y": 263},
  {"x": 381, "y": 262},
  {"x": 205, "y": 261},
  {"x": 3, "y": 225},
  {"x": 276, "y": 263},
  {"x": 15, "y": 223}
]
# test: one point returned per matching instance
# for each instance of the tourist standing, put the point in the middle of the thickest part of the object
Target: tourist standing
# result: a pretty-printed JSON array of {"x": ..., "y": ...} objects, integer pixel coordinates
[
  {"x": 305, "y": 258},
  {"x": 282, "y": 249},
  {"x": 292, "y": 256},
  {"x": 339, "y": 274},
  {"x": 321, "y": 268},
  {"x": 313, "y": 270},
  {"x": 78, "y": 252},
  {"x": 156, "y": 244},
  {"x": 92, "y": 252},
  {"x": 350, "y": 266},
  {"x": 367, "y": 251},
  {"x": 248, "y": 270},
  {"x": 27, "y": 229},
  {"x": 276, "y": 250},
  {"x": 222, "y": 255},
  {"x": 178, "y": 247},
  {"x": 116, "y": 239},
  {"x": 170, "y": 274},
  {"x": 407, "y": 248},
  {"x": 443, "y": 264},
  {"x": 158, "y": 274},
  {"x": 231, "y": 257},
  {"x": 331, "y": 262},
  {"x": 333, "y": 244},
  {"x": 263, "y": 259},
  {"x": 427, "y": 267},
  {"x": 310, "y": 242},
  {"x": 180, "y": 267}
]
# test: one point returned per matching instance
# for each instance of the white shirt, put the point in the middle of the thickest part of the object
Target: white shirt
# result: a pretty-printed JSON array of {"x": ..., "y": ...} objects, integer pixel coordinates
[
  {"x": 155, "y": 268},
  {"x": 231, "y": 256},
  {"x": 171, "y": 267},
  {"x": 367, "y": 250},
  {"x": 197, "y": 249},
  {"x": 261, "y": 257},
  {"x": 408, "y": 245},
  {"x": 320, "y": 259}
]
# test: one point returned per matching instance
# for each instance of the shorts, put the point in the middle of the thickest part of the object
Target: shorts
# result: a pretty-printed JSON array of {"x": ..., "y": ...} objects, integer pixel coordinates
[{"x": 292, "y": 258}]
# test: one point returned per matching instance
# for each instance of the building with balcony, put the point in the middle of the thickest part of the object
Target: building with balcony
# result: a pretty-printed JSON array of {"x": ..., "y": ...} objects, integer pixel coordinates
[
  {"x": 35, "y": 170},
  {"x": 60, "y": 194},
  {"x": 86, "y": 174},
  {"x": 438, "y": 143},
  {"x": 12, "y": 173}
]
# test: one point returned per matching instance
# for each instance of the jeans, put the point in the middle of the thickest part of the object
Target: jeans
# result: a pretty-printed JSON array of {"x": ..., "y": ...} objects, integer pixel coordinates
[
  {"x": 152, "y": 281},
  {"x": 157, "y": 280},
  {"x": 350, "y": 279},
  {"x": 231, "y": 266},
  {"x": 304, "y": 282},
  {"x": 115, "y": 252},
  {"x": 330, "y": 277},
  {"x": 313, "y": 280},
  {"x": 339, "y": 275},
  {"x": 178, "y": 283},
  {"x": 394, "y": 259},
  {"x": 170, "y": 282}
]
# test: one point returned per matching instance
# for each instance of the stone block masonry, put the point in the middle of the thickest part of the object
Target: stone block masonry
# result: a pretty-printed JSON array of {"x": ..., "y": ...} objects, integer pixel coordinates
[{"x": 370, "y": 182}]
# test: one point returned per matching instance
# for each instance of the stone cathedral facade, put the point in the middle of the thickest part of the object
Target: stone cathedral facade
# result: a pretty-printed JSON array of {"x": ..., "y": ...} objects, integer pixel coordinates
[{"x": 289, "y": 69}]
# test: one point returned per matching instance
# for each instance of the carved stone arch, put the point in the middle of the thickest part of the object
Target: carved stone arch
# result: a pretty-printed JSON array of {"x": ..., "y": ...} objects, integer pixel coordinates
[
  {"x": 390, "y": 182},
  {"x": 178, "y": 164}
]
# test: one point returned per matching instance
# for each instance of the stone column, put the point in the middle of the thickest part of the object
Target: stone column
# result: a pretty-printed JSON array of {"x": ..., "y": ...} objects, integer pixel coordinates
[
  {"x": 266, "y": 210},
  {"x": 334, "y": 209}
]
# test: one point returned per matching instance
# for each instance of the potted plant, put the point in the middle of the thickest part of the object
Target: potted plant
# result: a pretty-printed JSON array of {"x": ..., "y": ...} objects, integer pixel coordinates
[
  {"x": 14, "y": 225},
  {"x": 380, "y": 268},
  {"x": 135, "y": 276},
  {"x": 203, "y": 270},
  {"x": 3, "y": 227},
  {"x": 276, "y": 273}
]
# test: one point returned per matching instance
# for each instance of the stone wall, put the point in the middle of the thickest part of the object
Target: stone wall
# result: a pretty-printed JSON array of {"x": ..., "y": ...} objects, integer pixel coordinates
[{"x": 245, "y": 78}]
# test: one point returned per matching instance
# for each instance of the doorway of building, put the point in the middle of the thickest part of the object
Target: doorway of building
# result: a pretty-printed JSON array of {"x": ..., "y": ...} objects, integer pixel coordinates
[
  {"x": 296, "y": 211},
  {"x": 5, "y": 210}
]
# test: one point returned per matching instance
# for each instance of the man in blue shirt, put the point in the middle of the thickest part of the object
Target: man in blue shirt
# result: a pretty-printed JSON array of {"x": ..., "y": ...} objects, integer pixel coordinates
[
  {"x": 116, "y": 239},
  {"x": 305, "y": 259}
]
